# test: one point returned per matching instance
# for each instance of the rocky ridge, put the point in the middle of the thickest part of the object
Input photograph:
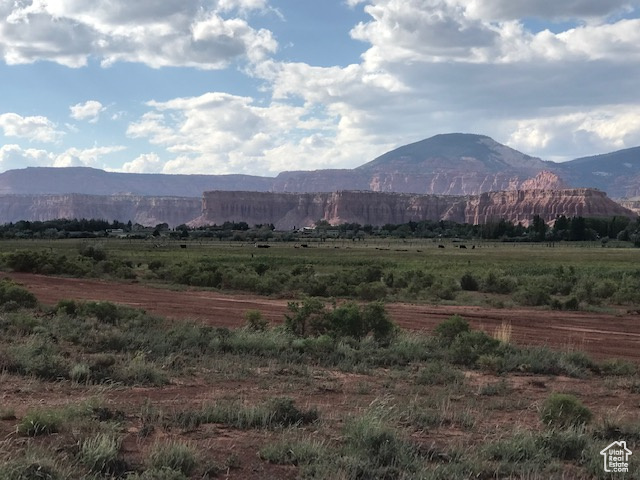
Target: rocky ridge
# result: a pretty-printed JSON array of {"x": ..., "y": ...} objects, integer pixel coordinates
[
  {"x": 148, "y": 211},
  {"x": 296, "y": 210},
  {"x": 287, "y": 210}
]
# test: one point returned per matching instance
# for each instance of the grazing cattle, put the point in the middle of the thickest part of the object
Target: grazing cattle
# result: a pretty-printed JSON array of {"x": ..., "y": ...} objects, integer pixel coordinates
[
  {"x": 440, "y": 246},
  {"x": 463, "y": 246}
]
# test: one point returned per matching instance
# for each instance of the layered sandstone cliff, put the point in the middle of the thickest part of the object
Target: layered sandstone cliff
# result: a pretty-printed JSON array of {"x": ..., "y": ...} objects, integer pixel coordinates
[
  {"x": 288, "y": 210},
  {"x": 148, "y": 211},
  {"x": 522, "y": 205}
]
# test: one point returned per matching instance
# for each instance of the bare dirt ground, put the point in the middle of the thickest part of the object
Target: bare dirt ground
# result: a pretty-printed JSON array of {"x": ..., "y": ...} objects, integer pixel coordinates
[{"x": 600, "y": 335}]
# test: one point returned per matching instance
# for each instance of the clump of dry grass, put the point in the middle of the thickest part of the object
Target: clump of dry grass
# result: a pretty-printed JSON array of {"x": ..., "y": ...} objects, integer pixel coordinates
[{"x": 503, "y": 332}]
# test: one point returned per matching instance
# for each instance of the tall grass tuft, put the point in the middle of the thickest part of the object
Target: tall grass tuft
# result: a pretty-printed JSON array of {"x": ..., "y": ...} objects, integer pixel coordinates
[
  {"x": 173, "y": 455},
  {"x": 101, "y": 454},
  {"x": 503, "y": 332}
]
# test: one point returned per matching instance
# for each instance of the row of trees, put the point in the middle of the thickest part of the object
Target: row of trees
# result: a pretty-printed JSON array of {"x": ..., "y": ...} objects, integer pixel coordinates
[{"x": 564, "y": 228}]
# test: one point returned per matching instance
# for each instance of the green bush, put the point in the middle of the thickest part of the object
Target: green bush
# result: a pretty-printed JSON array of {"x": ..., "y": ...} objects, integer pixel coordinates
[
  {"x": 444, "y": 289},
  {"x": 377, "y": 322},
  {"x": 139, "y": 371},
  {"x": 40, "y": 357},
  {"x": 468, "y": 347},
  {"x": 618, "y": 367},
  {"x": 106, "y": 312},
  {"x": 371, "y": 291},
  {"x": 305, "y": 319},
  {"x": 11, "y": 292},
  {"x": 255, "y": 322},
  {"x": 68, "y": 307},
  {"x": 532, "y": 296},
  {"x": 47, "y": 263},
  {"x": 469, "y": 283},
  {"x": 439, "y": 373},
  {"x": 571, "y": 303},
  {"x": 448, "y": 330},
  {"x": 564, "y": 410},
  {"x": 348, "y": 320},
  {"x": 495, "y": 282},
  {"x": 94, "y": 252}
]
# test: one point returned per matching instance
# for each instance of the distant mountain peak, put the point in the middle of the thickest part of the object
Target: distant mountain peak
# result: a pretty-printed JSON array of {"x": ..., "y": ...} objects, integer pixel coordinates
[{"x": 454, "y": 151}]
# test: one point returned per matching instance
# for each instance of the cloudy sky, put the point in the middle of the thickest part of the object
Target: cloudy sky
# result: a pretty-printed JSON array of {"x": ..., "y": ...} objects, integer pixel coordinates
[{"x": 262, "y": 86}]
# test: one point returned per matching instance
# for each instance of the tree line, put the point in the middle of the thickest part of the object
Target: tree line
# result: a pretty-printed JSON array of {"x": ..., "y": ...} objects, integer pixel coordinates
[{"x": 564, "y": 228}]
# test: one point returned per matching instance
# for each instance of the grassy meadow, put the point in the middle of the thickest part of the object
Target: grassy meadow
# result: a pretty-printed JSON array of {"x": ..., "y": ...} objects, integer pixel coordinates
[{"x": 562, "y": 276}]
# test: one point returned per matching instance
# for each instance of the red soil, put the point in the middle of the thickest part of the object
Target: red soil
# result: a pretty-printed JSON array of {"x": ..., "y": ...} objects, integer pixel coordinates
[{"x": 601, "y": 335}]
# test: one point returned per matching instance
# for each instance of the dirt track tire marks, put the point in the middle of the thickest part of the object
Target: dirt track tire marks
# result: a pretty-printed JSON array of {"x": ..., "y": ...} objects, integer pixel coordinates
[{"x": 600, "y": 335}]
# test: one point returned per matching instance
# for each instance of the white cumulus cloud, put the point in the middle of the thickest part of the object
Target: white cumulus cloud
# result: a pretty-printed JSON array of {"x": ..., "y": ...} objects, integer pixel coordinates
[
  {"x": 222, "y": 133},
  {"x": 158, "y": 33},
  {"x": 145, "y": 163},
  {"x": 14, "y": 156},
  {"x": 34, "y": 128},
  {"x": 90, "y": 111}
]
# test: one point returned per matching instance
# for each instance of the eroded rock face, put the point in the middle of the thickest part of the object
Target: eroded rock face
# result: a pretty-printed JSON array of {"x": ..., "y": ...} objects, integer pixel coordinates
[
  {"x": 522, "y": 205},
  {"x": 545, "y": 180},
  {"x": 148, "y": 211},
  {"x": 295, "y": 210},
  {"x": 288, "y": 210}
]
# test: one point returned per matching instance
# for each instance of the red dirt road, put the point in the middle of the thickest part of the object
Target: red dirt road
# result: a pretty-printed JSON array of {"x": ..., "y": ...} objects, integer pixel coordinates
[{"x": 600, "y": 335}]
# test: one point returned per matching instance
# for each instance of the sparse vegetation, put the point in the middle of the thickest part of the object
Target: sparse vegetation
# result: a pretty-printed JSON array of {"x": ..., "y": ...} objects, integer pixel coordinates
[{"x": 337, "y": 391}]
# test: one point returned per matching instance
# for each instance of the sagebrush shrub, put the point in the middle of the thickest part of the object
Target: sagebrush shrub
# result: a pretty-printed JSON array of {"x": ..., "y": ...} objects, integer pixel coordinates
[
  {"x": 564, "y": 410},
  {"x": 448, "y": 330},
  {"x": 21, "y": 297},
  {"x": 468, "y": 347},
  {"x": 469, "y": 283}
]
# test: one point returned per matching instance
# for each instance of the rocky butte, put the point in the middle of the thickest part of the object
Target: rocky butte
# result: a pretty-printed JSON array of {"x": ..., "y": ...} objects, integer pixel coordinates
[{"x": 294, "y": 210}]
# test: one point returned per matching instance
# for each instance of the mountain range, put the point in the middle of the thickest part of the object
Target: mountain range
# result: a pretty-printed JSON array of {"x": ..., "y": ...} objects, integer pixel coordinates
[
  {"x": 447, "y": 164},
  {"x": 463, "y": 167}
]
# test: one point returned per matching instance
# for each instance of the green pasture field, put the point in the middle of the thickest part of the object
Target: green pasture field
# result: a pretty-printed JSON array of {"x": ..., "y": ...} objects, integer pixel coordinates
[{"x": 583, "y": 274}]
